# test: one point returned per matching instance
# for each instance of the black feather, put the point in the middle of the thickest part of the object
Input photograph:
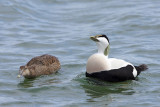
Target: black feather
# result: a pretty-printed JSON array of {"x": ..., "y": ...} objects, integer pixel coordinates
[{"x": 115, "y": 75}]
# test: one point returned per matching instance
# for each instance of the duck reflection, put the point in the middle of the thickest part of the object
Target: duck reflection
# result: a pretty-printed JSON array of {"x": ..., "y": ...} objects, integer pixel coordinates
[
  {"x": 26, "y": 83},
  {"x": 40, "y": 81},
  {"x": 97, "y": 88}
]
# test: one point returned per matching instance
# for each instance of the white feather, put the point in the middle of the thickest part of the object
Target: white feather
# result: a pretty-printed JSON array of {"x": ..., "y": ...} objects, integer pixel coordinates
[{"x": 117, "y": 63}]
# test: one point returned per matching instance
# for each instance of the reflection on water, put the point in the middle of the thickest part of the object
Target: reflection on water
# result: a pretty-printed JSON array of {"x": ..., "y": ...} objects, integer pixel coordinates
[
  {"x": 97, "y": 88},
  {"x": 26, "y": 83},
  {"x": 45, "y": 80}
]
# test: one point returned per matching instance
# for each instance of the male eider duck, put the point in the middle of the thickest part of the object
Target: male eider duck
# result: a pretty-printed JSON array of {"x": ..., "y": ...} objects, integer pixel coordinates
[
  {"x": 110, "y": 69},
  {"x": 40, "y": 65}
]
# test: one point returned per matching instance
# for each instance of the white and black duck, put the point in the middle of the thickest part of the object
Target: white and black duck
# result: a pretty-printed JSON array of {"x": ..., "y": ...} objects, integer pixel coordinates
[{"x": 110, "y": 69}]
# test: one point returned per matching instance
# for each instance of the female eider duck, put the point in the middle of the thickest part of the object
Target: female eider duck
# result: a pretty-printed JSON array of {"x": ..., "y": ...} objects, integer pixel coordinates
[
  {"x": 110, "y": 69},
  {"x": 40, "y": 65}
]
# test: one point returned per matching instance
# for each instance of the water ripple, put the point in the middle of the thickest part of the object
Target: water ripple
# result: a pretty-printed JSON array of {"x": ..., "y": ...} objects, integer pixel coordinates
[{"x": 62, "y": 28}]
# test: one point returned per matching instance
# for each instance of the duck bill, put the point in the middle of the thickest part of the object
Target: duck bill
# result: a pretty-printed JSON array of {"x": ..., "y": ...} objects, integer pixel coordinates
[
  {"x": 94, "y": 38},
  {"x": 20, "y": 74}
]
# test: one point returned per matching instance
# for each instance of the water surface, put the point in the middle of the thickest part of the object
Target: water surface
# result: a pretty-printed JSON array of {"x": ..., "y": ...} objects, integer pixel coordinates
[{"x": 62, "y": 28}]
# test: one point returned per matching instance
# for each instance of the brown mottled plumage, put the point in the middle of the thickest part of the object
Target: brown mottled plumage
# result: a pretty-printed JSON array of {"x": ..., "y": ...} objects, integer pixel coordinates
[{"x": 40, "y": 65}]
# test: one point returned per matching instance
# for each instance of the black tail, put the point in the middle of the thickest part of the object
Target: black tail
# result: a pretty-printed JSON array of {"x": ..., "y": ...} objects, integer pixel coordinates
[{"x": 141, "y": 68}]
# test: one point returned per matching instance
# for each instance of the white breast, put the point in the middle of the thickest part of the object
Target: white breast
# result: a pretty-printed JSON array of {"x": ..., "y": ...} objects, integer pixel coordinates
[{"x": 97, "y": 62}]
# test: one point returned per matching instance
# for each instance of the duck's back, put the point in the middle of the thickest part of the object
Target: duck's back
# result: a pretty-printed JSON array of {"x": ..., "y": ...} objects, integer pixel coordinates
[
  {"x": 117, "y": 63},
  {"x": 43, "y": 65},
  {"x": 43, "y": 60}
]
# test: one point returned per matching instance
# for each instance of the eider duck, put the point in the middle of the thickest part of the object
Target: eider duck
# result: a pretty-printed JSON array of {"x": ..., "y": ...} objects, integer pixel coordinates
[
  {"x": 40, "y": 65},
  {"x": 110, "y": 69}
]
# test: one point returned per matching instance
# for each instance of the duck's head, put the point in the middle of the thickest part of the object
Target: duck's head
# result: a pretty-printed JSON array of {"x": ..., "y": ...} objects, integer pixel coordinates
[
  {"x": 23, "y": 71},
  {"x": 102, "y": 42}
]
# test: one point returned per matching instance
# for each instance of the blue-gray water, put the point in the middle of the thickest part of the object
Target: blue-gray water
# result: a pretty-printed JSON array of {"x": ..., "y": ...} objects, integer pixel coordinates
[{"x": 29, "y": 28}]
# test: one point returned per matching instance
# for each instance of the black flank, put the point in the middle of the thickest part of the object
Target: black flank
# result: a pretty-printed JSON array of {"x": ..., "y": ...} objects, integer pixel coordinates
[{"x": 115, "y": 75}]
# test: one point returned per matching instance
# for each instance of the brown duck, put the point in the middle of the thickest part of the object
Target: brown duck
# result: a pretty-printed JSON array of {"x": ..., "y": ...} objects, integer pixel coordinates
[{"x": 40, "y": 65}]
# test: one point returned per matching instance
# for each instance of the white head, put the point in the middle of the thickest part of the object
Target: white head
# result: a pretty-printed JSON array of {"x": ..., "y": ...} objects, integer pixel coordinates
[{"x": 102, "y": 42}]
